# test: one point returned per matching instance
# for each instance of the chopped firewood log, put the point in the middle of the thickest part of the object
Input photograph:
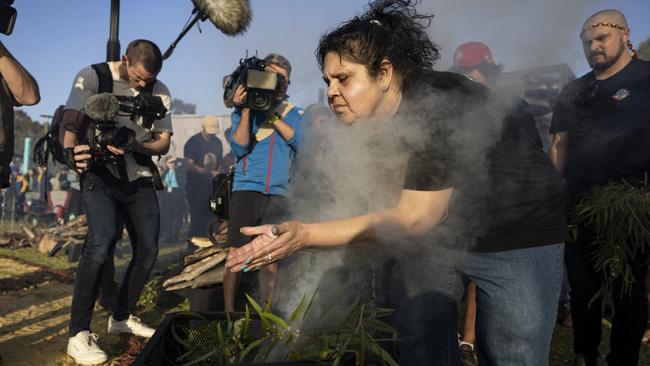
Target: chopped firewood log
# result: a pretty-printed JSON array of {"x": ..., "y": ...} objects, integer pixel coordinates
[
  {"x": 72, "y": 241},
  {"x": 46, "y": 244},
  {"x": 197, "y": 268},
  {"x": 28, "y": 232},
  {"x": 78, "y": 232},
  {"x": 55, "y": 249},
  {"x": 211, "y": 277},
  {"x": 201, "y": 242},
  {"x": 193, "y": 266},
  {"x": 179, "y": 286},
  {"x": 204, "y": 252},
  {"x": 4, "y": 241}
]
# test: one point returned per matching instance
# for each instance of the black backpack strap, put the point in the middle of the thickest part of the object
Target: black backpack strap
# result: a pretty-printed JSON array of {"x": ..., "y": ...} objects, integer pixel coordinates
[{"x": 104, "y": 76}]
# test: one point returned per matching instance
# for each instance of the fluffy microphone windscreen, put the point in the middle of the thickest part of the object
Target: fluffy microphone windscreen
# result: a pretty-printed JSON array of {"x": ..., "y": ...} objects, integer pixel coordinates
[
  {"x": 230, "y": 16},
  {"x": 102, "y": 107}
]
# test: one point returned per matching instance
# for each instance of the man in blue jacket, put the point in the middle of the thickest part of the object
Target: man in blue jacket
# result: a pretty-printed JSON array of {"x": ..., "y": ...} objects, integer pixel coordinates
[{"x": 264, "y": 144}]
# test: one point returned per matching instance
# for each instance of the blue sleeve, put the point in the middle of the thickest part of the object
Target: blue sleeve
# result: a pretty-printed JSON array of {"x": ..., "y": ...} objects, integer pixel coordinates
[
  {"x": 294, "y": 119},
  {"x": 238, "y": 150}
]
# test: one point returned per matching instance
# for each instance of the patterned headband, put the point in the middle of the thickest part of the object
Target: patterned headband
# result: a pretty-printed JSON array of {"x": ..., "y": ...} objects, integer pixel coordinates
[
  {"x": 605, "y": 24},
  {"x": 622, "y": 28}
]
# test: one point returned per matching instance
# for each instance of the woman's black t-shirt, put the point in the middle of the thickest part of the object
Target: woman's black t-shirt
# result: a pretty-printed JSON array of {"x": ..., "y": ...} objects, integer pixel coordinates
[{"x": 507, "y": 194}]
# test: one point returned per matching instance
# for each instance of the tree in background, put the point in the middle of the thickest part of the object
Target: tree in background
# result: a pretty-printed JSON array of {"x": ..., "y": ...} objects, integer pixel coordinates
[
  {"x": 180, "y": 107},
  {"x": 644, "y": 49},
  {"x": 24, "y": 126}
]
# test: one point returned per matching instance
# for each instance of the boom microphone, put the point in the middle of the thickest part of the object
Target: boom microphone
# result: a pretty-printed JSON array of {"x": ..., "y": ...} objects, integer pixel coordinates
[
  {"x": 232, "y": 17},
  {"x": 102, "y": 107}
]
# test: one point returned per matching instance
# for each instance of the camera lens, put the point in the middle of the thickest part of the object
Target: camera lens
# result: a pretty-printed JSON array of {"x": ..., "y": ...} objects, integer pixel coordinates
[
  {"x": 121, "y": 137},
  {"x": 260, "y": 100}
]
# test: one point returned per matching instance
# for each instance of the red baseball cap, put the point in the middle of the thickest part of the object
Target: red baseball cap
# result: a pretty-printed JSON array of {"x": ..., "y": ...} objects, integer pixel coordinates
[{"x": 472, "y": 54}]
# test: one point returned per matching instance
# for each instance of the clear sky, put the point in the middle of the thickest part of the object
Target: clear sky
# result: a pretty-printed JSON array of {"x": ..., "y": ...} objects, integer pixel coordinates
[{"x": 55, "y": 38}]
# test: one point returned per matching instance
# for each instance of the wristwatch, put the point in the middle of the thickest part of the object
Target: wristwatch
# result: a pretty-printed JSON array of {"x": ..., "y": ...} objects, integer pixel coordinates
[{"x": 274, "y": 118}]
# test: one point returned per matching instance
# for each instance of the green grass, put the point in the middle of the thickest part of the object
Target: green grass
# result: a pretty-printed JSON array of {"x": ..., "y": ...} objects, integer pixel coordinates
[
  {"x": 32, "y": 255},
  {"x": 60, "y": 261}
]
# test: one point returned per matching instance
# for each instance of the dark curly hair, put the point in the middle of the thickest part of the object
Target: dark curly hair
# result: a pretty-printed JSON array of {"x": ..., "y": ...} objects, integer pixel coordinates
[{"x": 389, "y": 29}]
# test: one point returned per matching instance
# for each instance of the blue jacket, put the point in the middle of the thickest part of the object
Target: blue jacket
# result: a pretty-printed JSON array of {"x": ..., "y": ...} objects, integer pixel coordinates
[{"x": 265, "y": 166}]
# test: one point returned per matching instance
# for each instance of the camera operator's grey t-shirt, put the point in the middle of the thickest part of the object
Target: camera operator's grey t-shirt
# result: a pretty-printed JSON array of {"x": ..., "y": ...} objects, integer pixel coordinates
[{"x": 86, "y": 84}]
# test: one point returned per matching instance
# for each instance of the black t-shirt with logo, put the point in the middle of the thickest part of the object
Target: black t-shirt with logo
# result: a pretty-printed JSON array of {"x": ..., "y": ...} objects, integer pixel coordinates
[
  {"x": 200, "y": 148},
  {"x": 608, "y": 122},
  {"x": 507, "y": 194}
]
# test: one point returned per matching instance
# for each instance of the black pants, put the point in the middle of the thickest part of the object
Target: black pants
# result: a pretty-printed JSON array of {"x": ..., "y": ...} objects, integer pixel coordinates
[
  {"x": 249, "y": 208},
  {"x": 107, "y": 202},
  {"x": 198, "y": 198},
  {"x": 6, "y": 148},
  {"x": 631, "y": 313},
  {"x": 172, "y": 204}
]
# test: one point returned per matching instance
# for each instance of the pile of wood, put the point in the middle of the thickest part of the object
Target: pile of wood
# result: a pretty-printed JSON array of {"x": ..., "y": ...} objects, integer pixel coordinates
[
  {"x": 204, "y": 267},
  {"x": 19, "y": 239},
  {"x": 60, "y": 237},
  {"x": 49, "y": 241}
]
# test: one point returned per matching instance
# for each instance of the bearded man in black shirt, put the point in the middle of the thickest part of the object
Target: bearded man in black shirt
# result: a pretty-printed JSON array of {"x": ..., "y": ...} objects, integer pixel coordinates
[{"x": 601, "y": 128}]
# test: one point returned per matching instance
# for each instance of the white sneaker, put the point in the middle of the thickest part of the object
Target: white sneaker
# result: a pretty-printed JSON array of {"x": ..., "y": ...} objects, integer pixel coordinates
[
  {"x": 131, "y": 325},
  {"x": 84, "y": 349}
]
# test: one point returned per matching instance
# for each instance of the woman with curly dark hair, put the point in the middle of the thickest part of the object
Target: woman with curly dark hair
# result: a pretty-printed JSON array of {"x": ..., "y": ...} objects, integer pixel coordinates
[{"x": 478, "y": 199}]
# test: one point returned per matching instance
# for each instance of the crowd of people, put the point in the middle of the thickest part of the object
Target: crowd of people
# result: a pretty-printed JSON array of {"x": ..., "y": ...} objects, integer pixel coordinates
[
  {"x": 39, "y": 194},
  {"x": 447, "y": 190}
]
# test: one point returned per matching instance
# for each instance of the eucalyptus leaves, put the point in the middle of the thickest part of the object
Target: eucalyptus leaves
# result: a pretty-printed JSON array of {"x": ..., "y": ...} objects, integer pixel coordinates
[
  {"x": 231, "y": 342},
  {"x": 618, "y": 214}
]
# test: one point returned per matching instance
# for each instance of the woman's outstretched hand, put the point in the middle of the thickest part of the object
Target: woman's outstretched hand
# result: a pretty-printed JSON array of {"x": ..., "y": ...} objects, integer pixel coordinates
[{"x": 271, "y": 243}]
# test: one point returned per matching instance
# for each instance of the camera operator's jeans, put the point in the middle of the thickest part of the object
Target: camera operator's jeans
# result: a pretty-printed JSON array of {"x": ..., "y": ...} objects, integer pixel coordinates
[
  {"x": 517, "y": 297},
  {"x": 108, "y": 201}
]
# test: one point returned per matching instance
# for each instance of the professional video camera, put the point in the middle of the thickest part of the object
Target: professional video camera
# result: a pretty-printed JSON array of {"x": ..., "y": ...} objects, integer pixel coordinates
[
  {"x": 260, "y": 84},
  {"x": 102, "y": 129},
  {"x": 100, "y": 134},
  {"x": 7, "y": 17}
]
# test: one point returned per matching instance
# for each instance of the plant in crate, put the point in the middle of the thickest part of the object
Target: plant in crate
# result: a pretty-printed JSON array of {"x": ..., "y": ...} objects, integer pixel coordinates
[{"x": 258, "y": 337}]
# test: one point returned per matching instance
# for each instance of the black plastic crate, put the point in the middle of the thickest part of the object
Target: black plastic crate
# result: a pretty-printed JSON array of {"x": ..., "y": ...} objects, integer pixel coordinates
[{"x": 163, "y": 349}]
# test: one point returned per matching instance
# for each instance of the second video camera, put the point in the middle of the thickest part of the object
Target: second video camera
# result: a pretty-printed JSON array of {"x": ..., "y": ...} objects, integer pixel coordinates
[{"x": 260, "y": 84}]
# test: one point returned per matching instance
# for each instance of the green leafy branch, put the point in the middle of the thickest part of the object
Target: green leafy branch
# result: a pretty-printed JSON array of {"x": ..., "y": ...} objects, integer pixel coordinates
[
  {"x": 619, "y": 216},
  {"x": 354, "y": 335}
]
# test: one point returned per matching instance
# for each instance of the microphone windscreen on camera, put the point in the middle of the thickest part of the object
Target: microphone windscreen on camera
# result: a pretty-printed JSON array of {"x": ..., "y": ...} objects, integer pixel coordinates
[
  {"x": 230, "y": 16},
  {"x": 102, "y": 107}
]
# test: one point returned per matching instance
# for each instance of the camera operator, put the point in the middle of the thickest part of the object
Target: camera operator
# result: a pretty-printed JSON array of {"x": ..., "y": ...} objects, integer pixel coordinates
[
  {"x": 18, "y": 88},
  {"x": 264, "y": 143},
  {"x": 116, "y": 192}
]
